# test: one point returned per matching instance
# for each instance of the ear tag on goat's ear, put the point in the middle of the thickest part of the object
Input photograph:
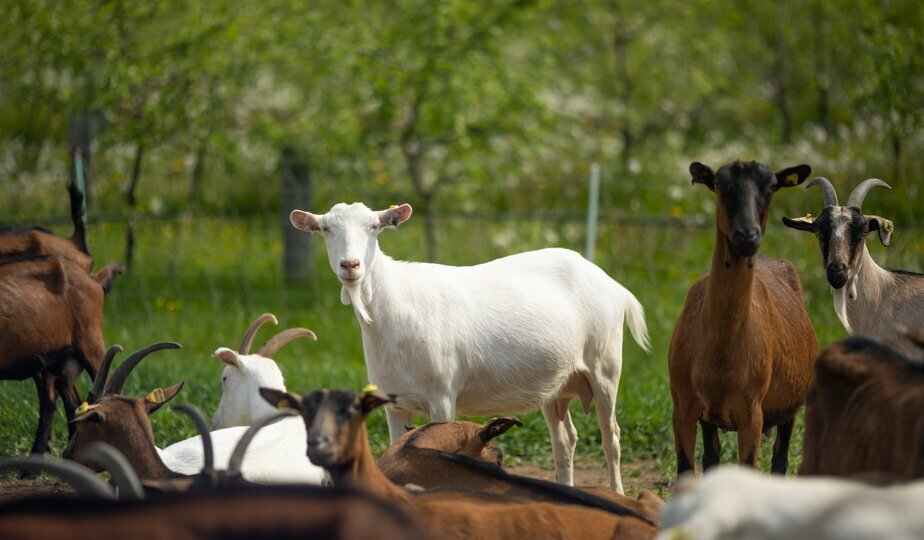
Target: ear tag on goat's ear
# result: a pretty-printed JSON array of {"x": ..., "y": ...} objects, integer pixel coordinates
[
  {"x": 156, "y": 396},
  {"x": 84, "y": 408},
  {"x": 792, "y": 179},
  {"x": 369, "y": 388},
  {"x": 283, "y": 403},
  {"x": 392, "y": 207},
  {"x": 807, "y": 218},
  {"x": 889, "y": 226}
]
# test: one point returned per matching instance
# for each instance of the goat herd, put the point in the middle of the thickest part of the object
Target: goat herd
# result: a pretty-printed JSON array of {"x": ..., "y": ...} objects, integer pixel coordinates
[{"x": 529, "y": 331}]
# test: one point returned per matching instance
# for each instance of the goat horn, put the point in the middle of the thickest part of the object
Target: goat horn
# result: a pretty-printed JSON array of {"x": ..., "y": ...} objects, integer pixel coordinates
[
  {"x": 99, "y": 383},
  {"x": 208, "y": 455},
  {"x": 121, "y": 470},
  {"x": 859, "y": 192},
  {"x": 279, "y": 340},
  {"x": 237, "y": 457},
  {"x": 252, "y": 331},
  {"x": 826, "y": 188},
  {"x": 83, "y": 480},
  {"x": 117, "y": 381}
]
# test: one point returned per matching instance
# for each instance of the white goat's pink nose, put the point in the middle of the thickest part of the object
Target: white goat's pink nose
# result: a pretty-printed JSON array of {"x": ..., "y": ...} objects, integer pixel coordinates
[{"x": 349, "y": 264}]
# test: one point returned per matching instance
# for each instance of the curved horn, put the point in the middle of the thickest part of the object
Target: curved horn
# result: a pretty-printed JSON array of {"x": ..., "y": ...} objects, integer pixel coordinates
[
  {"x": 237, "y": 457},
  {"x": 121, "y": 470},
  {"x": 826, "y": 188},
  {"x": 117, "y": 381},
  {"x": 252, "y": 331},
  {"x": 208, "y": 456},
  {"x": 83, "y": 480},
  {"x": 279, "y": 340},
  {"x": 859, "y": 192},
  {"x": 99, "y": 383}
]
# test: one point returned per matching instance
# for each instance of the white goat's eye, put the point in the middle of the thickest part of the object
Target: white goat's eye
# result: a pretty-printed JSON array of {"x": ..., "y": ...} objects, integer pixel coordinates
[
  {"x": 373, "y": 227},
  {"x": 325, "y": 229}
]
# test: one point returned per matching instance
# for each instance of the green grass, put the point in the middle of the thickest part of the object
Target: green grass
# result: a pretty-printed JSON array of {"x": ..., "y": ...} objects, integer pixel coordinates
[{"x": 200, "y": 281}]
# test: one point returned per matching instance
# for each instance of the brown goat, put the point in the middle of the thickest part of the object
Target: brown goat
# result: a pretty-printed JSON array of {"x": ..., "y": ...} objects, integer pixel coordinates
[
  {"x": 122, "y": 421},
  {"x": 863, "y": 411},
  {"x": 51, "y": 300},
  {"x": 742, "y": 351},
  {"x": 245, "y": 511},
  {"x": 438, "y": 456},
  {"x": 337, "y": 441},
  {"x": 52, "y": 330}
]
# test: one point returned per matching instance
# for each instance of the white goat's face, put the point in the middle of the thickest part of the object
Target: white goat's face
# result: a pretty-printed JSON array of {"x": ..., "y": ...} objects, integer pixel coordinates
[
  {"x": 240, "y": 387},
  {"x": 350, "y": 233}
]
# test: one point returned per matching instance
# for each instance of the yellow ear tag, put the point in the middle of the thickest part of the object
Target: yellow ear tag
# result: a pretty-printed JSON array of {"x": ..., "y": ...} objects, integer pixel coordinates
[
  {"x": 792, "y": 179},
  {"x": 807, "y": 219},
  {"x": 889, "y": 226},
  {"x": 369, "y": 388},
  {"x": 284, "y": 403},
  {"x": 393, "y": 206},
  {"x": 156, "y": 396},
  {"x": 84, "y": 408}
]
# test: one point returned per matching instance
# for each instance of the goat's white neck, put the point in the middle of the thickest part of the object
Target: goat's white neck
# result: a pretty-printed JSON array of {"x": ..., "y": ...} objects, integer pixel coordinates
[
  {"x": 364, "y": 295},
  {"x": 863, "y": 289}
]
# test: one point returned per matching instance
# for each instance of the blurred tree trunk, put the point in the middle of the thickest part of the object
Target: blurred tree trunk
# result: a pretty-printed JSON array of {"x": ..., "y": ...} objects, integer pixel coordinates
[
  {"x": 131, "y": 200},
  {"x": 822, "y": 78},
  {"x": 195, "y": 178},
  {"x": 298, "y": 263}
]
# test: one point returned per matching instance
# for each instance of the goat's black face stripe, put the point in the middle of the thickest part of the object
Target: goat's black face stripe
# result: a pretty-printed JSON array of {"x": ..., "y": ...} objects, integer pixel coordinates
[
  {"x": 740, "y": 183},
  {"x": 844, "y": 223}
]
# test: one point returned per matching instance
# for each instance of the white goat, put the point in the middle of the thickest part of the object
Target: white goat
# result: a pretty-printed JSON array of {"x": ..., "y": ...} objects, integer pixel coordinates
[
  {"x": 245, "y": 373},
  {"x": 730, "y": 503},
  {"x": 528, "y": 331},
  {"x": 868, "y": 299}
]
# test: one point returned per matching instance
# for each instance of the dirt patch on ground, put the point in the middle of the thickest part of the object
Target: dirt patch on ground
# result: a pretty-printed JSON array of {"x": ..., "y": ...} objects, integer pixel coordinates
[
  {"x": 635, "y": 475},
  {"x": 13, "y": 489}
]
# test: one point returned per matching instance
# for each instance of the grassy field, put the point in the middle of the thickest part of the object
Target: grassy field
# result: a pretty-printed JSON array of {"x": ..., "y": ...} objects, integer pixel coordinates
[{"x": 200, "y": 281}]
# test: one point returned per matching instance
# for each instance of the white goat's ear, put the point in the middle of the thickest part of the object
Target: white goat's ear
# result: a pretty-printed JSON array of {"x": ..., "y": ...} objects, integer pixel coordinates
[
  {"x": 306, "y": 221},
  {"x": 394, "y": 215},
  {"x": 344, "y": 296},
  {"x": 229, "y": 357}
]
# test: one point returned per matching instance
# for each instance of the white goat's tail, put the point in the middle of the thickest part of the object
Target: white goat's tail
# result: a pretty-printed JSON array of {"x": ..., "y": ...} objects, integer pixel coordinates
[{"x": 635, "y": 319}]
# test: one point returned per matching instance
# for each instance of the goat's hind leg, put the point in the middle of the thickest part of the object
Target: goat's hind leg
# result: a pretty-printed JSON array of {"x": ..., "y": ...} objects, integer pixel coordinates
[
  {"x": 712, "y": 445},
  {"x": 604, "y": 395},
  {"x": 684, "y": 418},
  {"x": 44, "y": 385},
  {"x": 564, "y": 439},
  {"x": 780, "y": 461}
]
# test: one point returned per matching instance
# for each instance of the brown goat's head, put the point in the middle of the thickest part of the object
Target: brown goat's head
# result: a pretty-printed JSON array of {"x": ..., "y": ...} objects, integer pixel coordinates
[
  {"x": 334, "y": 420},
  {"x": 743, "y": 191},
  {"x": 119, "y": 420},
  {"x": 842, "y": 230},
  {"x": 460, "y": 437}
]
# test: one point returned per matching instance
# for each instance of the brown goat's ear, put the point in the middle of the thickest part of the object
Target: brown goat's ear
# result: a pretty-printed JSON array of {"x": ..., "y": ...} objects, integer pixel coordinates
[
  {"x": 374, "y": 399},
  {"x": 281, "y": 399},
  {"x": 884, "y": 226},
  {"x": 702, "y": 174},
  {"x": 497, "y": 426},
  {"x": 792, "y": 176},
  {"x": 800, "y": 224},
  {"x": 159, "y": 396},
  {"x": 306, "y": 221}
]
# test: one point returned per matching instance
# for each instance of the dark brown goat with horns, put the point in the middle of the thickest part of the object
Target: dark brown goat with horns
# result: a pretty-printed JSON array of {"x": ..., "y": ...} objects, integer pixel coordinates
[{"x": 742, "y": 351}]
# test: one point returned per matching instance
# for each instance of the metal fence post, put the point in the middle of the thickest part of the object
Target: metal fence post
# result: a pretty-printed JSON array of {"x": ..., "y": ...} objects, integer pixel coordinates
[{"x": 296, "y": 193}]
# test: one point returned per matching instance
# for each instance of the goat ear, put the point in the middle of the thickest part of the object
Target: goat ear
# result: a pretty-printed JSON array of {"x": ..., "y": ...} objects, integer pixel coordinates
[
  {"x": 884, "y": 226},
  {"x": 408, "y": 427},
  {"x": 801, "y": 224},
  {"x": 496, "y": 427},
  {"x": 702, "y": 174},
  {"x": 394, "y": 215},
  {"x": 92, "y": 416},
  {"x": 792, "y": 176},
  {"x": 306, "y": 221},
  {"x": 159, "y": 396},
  {"x": 228, "y": 356},
  {"x": 374, "y": 399},
  {"x": 281, "y": 399}
]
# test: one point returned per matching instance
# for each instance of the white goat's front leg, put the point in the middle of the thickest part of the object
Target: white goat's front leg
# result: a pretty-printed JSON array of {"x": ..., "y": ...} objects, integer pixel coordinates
[
  {"x": 443, "y": 409},
  {"x": 397, "y": 419},
  {"x": 564, "y": 440}
]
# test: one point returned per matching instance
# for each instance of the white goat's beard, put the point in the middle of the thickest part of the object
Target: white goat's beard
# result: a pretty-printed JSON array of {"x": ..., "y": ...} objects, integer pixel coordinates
[{"x": 352, "y": 295}]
